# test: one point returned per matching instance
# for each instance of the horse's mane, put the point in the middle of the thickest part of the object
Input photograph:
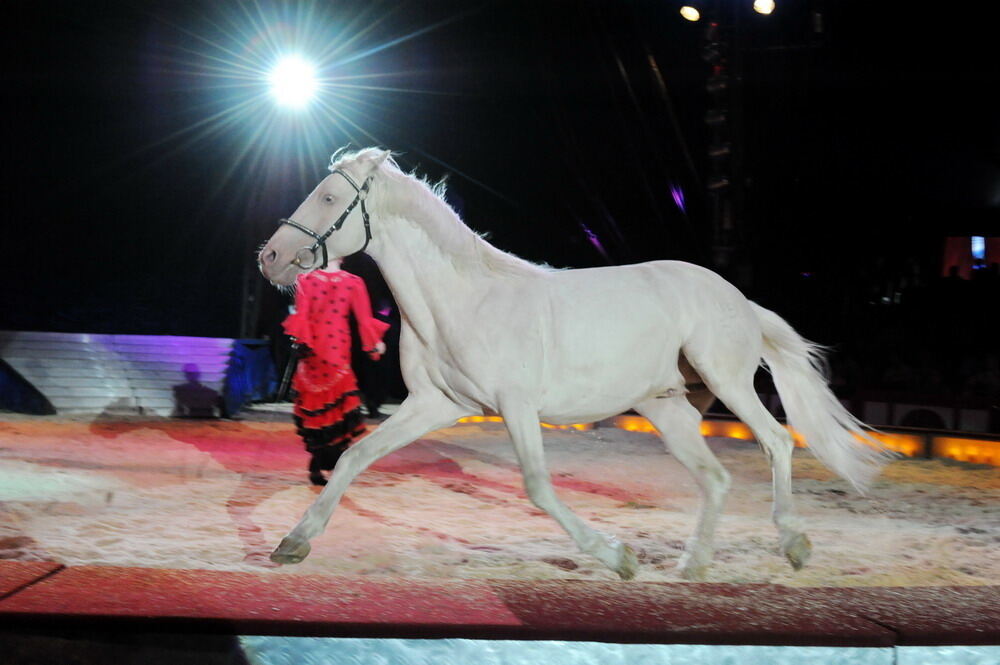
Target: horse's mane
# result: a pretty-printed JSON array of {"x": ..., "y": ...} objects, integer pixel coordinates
[{"x": 428, "y": 208}]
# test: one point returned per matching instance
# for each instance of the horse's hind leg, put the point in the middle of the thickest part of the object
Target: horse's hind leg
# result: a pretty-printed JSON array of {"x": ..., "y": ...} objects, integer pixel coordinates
[
  {"x": 777, "y": 443},
  {"x": 700, "y": 398},
  {"x": 698, "y": 393},
  {"x": 679, "y": 424},
  {"x": 525, "y": 432}
]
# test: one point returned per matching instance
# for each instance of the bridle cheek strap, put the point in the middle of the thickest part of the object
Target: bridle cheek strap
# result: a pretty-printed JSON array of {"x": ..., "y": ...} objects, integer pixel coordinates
[{"x": 320, "y": 244}]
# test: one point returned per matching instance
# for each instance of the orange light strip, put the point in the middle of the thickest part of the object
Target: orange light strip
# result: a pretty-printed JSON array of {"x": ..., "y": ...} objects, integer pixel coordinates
[
  {"x": 581, "y": 427},
  {"x": 911, "y": 445},
  {"x": 727, "y": 428},
  {"x": 967, "y": 450},
  {"x": 634, "y": 424},
  {"x": 481, "y": 419}
]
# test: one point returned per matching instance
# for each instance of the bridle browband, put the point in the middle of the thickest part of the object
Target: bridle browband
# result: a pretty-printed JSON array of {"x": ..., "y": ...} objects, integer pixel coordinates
[{"x": 362, "y": 194}]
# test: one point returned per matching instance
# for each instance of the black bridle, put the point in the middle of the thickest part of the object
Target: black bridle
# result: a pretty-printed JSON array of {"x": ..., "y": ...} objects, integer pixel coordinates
[{"x": 302, "y": 254}]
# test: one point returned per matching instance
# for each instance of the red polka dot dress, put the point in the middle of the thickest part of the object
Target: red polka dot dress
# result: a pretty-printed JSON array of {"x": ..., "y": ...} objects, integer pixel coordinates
[{"x": 327, "y": 407}]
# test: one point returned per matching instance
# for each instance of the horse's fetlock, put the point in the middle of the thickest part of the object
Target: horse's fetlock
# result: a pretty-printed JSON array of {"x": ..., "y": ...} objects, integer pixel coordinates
[{"x": 724, "y": 479}]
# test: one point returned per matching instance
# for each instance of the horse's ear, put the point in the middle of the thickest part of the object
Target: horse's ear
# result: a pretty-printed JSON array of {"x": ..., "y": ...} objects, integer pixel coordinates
[{"x": 373, "y": 158}]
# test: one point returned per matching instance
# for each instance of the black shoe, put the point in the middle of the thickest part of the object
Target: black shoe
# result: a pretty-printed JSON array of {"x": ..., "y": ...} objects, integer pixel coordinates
[{"x": 316, "y": 476}]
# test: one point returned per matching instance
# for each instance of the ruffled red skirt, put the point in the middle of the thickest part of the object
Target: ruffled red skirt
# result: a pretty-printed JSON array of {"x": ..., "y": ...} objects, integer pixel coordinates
[{"x": 327, "y": 410}]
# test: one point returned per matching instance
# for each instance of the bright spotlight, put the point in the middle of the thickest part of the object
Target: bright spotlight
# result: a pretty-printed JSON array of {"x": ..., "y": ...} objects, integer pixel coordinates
[
  {"x": 763, "y": 6},
  {"x": 293, "y": 82},
  {"x": 690, "y": 13}
]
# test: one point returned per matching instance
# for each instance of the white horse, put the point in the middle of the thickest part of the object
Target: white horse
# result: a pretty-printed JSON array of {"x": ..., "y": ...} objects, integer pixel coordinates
[{"x": 486, "y": 332}]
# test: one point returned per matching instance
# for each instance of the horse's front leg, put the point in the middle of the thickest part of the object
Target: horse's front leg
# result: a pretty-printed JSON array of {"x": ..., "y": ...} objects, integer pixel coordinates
[
  {"x": 417, "y": 415},
  {"x": 525, "y": 432}
]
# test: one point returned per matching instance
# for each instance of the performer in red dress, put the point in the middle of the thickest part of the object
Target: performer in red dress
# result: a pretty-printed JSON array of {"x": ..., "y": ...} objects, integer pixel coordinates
[{"x": 327, "y": 409}]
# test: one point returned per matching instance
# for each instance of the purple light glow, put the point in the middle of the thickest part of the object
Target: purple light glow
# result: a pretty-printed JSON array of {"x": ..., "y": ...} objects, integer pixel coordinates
[
  {"x": 678, "y": 194},
  {"x": 594, "y": 240}
]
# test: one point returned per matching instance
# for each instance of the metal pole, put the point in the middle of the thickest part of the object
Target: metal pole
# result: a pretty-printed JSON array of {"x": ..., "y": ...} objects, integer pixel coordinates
[{"x": 286, "y": 378}]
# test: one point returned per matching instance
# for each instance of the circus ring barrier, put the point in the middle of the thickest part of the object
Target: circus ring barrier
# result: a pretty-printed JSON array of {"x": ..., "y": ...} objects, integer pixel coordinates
[
  {"x": 91, "y": 614},
  {"x": 970, "y": 447},
  {"x": 975, "y": 448}
]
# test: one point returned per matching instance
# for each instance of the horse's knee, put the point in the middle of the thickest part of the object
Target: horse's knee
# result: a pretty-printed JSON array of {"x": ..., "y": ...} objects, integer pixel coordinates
[
  {"x": 717, "y": 483},
  {"x": 711, "y": 476},
  {"x": 540, "y": 493}
]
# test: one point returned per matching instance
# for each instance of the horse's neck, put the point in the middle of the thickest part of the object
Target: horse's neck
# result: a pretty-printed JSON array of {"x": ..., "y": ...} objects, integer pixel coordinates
[{"x": 425, "y": 280}]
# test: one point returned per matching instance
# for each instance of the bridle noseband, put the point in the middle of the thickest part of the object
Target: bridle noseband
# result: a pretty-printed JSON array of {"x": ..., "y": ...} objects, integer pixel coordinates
[{"x": 362, "y": 194}]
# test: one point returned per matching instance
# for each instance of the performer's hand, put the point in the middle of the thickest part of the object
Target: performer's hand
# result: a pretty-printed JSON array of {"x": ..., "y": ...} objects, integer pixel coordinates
[{"x": 376, "y": 353}]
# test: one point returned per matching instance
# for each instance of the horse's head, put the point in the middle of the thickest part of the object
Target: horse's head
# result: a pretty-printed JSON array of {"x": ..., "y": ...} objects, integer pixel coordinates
[{"x": 331, "y": 223}]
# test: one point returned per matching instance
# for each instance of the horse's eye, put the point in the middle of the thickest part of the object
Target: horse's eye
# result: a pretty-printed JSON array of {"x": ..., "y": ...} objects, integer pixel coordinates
[{"x": 328, "y": 198}]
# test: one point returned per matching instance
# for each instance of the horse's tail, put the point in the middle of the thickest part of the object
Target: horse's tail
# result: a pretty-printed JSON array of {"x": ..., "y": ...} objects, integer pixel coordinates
[{"x": 834, "y": 436}]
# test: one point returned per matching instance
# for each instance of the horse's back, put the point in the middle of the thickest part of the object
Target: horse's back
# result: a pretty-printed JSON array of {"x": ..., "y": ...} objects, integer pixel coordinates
[
  {"x": 615, "y": 334},
  {"x": 673, "y": 289}
]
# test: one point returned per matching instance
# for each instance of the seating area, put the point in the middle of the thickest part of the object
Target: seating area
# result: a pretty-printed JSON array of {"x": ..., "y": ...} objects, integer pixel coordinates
[{"x": 158, "y": 375}]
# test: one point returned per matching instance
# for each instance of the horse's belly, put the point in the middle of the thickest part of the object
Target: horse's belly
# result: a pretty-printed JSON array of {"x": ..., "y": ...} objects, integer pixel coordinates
[
  {"x": 583, "y": 410},
  {"x": 581, "y": 416},
  {"x": 590, "y": 392}
]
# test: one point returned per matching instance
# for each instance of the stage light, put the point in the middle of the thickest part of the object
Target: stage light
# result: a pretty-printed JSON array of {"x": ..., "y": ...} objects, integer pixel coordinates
[
  {"x": 690, "y": 13},
  {"x": 717, "y": 83},
  {"x": 763, "y": 6},
  {"x": 720, "y": 150},
  {"x": 717, "y": 183},
  {"x": 715, "y": 117},
  {"x": 293, "y": 82}
]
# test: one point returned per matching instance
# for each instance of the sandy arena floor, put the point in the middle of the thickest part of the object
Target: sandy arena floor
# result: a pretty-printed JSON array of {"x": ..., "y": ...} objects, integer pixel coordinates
[{"x": 220, "y": 494}]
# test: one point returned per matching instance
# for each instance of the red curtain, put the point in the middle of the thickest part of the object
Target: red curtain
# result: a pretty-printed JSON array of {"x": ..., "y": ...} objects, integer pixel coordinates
[
  {"x": 992, "y": 250},
  {"x": 958, "y": 252}
]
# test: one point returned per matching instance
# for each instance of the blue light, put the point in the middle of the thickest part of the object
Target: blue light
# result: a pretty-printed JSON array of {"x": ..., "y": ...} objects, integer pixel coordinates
[{"x": 979, "y": 247}]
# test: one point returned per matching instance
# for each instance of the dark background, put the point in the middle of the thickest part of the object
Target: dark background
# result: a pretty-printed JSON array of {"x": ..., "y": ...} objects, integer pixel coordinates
[{"x": 134, "y": 193}]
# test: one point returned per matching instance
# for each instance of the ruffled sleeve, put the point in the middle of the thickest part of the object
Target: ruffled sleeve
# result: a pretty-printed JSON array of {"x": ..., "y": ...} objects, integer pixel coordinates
[
  {"x": 297, "y": 325},
  {"x": 370, "y": 329}
]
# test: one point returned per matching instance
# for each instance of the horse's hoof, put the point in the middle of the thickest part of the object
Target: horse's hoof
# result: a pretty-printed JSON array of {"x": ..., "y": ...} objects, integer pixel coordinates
[
  {"x": 694, "y": 573},
  {"x": 798, "y": 551},
  {"x": 628, "y": 563},
  {"x": 694, "y": 568},
  {"x": 291, "y": 550}
]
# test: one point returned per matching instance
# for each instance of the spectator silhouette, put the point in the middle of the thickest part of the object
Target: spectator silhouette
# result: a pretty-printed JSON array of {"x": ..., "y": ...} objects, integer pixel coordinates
[{"x": 193, "y": 399}]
